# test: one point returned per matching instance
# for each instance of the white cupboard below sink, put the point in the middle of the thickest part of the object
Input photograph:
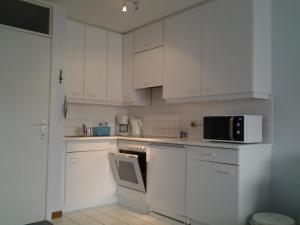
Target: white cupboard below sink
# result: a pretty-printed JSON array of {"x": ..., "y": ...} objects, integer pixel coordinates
[{"x": 89, "y": 181}]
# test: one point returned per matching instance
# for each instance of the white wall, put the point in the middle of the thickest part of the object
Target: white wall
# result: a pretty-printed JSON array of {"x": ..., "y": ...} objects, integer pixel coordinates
[
  {"x": 90, "y": 115},
  {"x": 161, "y": 119},
  {"x": 165, "y": 120},
  {"x": 286, "y": 109}
]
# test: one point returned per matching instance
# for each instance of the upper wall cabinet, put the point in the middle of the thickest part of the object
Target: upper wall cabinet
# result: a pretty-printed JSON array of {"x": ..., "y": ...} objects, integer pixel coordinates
[
  {"x": 182, "y": 54},
  {"x": 114, "y": 68},
  {"x": 74, "y": 59},
  {"x": 148, "y": 37},
  {"x": 130, "y": 95},
  {"x": 148, "y": 58},
  {"x": 95, "y": 63},
  {"x": 236, "y": 48},
  {"x": 220, "y": 50},
  {"x": 148, "y": 68}
]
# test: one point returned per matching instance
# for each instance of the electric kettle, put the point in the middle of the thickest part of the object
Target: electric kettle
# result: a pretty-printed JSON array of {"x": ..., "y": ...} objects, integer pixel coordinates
[{"x": 136, "y": 127}]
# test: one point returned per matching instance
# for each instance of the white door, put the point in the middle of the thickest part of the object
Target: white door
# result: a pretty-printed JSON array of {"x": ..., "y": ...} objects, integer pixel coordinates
[
  {"x": 182, "y": 54},
  {"x": 166, "y": 179},
  {"x": 212, "y": 192},
  {"x": 24, "y": 99},
  {"x": 131, "y": 96},
  {"x": 95, "y": 63},
  {"x": 148, "y": 68},
  {"x": 89, "y": 180},
  {"x": 149, "y": 37},
  {"x": 74, "y": 59},
  {"x": 114, "y": 68},
  {"x": 227, "y": 47}
]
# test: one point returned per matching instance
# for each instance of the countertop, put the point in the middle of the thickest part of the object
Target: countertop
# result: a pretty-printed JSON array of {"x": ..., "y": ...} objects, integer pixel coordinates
[{"x": 190, "y": 142}]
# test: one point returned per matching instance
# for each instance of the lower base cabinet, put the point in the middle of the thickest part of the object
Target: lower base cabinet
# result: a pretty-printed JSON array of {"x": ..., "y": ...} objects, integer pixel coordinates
[
  {"x": 212, "y": 192},
  {"x": 226, "y": 186},
  {"x": 89, "y": 181}
]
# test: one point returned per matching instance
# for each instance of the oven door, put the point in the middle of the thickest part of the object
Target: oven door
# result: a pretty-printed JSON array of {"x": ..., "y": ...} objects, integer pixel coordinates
[{"x": 127, "y": 171}]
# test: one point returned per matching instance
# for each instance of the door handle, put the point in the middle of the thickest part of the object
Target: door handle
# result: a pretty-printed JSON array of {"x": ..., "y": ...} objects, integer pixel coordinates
[
  {"x": 226, "y": 172},
  {"x": 43, "y": 126}
]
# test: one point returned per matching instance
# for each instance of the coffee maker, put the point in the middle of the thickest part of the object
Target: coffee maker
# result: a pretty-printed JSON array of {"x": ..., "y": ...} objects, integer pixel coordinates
[{"x": 122, "y": 123}]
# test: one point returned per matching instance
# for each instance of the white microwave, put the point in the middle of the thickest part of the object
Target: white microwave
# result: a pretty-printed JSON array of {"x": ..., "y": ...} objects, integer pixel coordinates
[{"x": 237, "y": 129}]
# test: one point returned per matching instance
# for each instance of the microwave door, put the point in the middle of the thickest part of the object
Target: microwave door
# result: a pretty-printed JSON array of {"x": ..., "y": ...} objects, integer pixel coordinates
[
  {"x": 218, "y": 128},
  {"x": 127, "y": 171}
]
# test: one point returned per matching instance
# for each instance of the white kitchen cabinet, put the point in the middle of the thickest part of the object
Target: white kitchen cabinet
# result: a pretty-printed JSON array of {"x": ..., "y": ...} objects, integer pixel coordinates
[
  {"x": 211, "y": 192},
  {"x": 236, "y": 48},
  {"x": 148, "y": 68},
  {"x": 95, "y": 63},
  {"x": 148, "y": 37},
  {"x": 182, "y": 54},
  {"x": 114, "y": 68},
  {"x": 130, "y": 95},
  {"x": 166, "y": 180},
  {"x": 89, "y": 181},
  {"x": 230, "y": 183},
  {"x": 74, "y": 59}
]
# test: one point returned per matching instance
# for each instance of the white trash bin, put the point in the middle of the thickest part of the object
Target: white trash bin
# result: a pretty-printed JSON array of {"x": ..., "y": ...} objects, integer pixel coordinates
[{"x": 271, "y": 219}]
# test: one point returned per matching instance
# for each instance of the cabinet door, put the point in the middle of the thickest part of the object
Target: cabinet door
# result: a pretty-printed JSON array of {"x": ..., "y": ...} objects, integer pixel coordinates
[
  {"x": 166, "y": 179},
  {"x": 74, "y": 59},
  {"x": 95, "y": 63},
  {"x": 89, "y": 180},
  {"x": 114, "y": 70},
  {"x": 227, "y": 35},
  {"x": 148, "y": 67},
  {"x": 212, "y": 192},
  {"x": 148, "y": 37},
  {"x": 182, "y": 54},
  {"x": 130, "y": 95}
]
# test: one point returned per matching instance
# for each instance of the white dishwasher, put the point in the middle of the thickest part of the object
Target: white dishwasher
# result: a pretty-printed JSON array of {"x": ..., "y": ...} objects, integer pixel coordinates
[{"x": 166, "y": 180}]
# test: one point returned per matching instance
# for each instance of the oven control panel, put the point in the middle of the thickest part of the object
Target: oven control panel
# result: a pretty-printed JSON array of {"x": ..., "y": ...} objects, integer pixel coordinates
[
  {"x": 133, "y": 146},
  {"x": 138, "y": 148}
]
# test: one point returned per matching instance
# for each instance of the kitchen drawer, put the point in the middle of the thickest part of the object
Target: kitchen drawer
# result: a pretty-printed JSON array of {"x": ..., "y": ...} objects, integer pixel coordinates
[
  {"x": 82, "y": 146},
  {"x": 220, "y": 155}
]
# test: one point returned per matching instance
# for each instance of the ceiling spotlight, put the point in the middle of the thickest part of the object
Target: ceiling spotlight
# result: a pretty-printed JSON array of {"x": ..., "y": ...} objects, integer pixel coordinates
[{"x": 124, "y": 8}]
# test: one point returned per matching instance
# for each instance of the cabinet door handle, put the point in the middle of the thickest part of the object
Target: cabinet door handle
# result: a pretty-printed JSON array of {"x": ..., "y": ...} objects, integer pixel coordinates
[
  {"x": 147, "y": 83},
  {"x": 74, "y": 161},
  {"x": 91, "y": 95},
  {"x": 210, "y": 154},
  {"x": 226, "y": 172},
  {"x": 192, "y": 92},
  {"x": 75, "y": 94}
]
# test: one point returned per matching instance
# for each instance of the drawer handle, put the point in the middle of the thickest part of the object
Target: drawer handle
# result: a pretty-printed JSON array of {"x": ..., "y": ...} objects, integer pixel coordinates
[
  {"x": 74, "y": 161},
  {"x": 75, "y": 94},
  {"x": 226, "y": 172},
  {"x": 209, "y": 154},
  {"x": 91, "y": 95},
  {"x": 147, "y": 83}
]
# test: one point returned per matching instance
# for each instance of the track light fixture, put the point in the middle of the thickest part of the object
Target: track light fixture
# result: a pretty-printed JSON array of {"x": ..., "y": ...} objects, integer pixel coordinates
[{"x": 134, "y": 2}]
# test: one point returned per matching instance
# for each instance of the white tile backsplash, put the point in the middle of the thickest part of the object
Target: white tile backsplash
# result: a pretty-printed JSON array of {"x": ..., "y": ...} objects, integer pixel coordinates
[
  {"x": 91, "y": 115},
  {"x": 166, "y": 120}
]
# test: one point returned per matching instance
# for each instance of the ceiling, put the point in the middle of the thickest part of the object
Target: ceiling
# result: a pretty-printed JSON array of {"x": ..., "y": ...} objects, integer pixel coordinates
[{"x": 107, "y": 13}]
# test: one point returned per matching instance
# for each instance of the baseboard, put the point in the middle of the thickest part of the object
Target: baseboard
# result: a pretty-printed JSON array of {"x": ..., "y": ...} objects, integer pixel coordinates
[{"x": 57, "y": 214}]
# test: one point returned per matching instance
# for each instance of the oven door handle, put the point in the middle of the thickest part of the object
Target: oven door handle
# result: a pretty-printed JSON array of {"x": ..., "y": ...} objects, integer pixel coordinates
[{"x": 124, "y": 155}]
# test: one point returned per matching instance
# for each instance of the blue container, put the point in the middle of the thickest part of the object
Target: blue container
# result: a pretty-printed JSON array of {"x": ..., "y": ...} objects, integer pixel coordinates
[{"x": 101, "y": 131}]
